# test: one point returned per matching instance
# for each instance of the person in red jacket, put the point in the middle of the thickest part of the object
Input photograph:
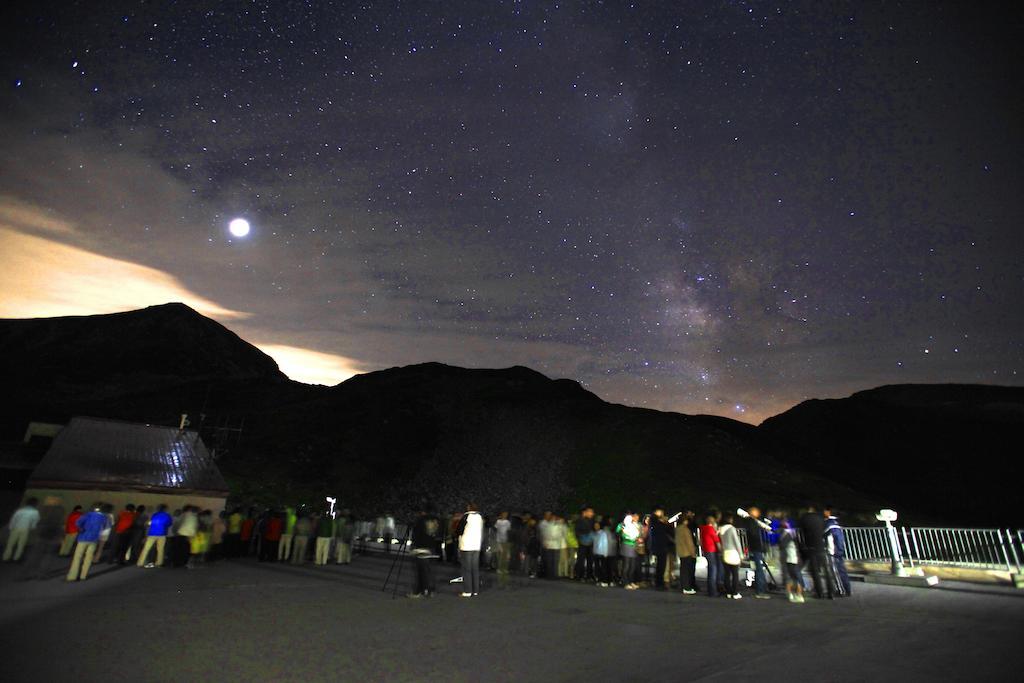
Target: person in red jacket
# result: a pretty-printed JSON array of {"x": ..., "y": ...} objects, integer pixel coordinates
[
  {"x": 123, "y": 534},
  {"x": 245, "y": 535},
  {"x": 711, "y": 544},
  {"x": 70, "y": 531},
  {"x": 272, "y": 530}
]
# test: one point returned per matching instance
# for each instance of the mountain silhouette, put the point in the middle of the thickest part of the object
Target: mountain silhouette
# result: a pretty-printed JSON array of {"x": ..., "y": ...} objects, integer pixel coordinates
[
  {"x": 506, "y": 438},
  {"x": 947, "y": 451},
  {"x": 146, "y": 365}
]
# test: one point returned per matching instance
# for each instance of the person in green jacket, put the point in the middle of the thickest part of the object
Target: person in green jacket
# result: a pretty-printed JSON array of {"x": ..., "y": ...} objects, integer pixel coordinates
[
  {"x": 573, "y": 547},
  {"x": 285, "y": 547},
  {"x": 324, "y": 535}
]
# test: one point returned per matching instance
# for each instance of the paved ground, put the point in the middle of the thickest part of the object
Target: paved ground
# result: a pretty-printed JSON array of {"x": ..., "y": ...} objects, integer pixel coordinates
[{"x": 246, "y": 621}]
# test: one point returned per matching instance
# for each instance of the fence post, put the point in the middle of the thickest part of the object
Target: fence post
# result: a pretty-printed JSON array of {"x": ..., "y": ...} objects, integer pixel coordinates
[
  {"x": 906, "y": 545},
  {"x": 1013, "y": 549},
  {"x": 1002, "y": 547}
]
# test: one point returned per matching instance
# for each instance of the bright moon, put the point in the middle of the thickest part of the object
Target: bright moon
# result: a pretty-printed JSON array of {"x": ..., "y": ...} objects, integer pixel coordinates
[{"x": 239, "y": 227}]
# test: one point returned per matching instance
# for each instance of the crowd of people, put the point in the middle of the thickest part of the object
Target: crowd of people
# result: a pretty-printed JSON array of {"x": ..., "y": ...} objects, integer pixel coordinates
[
  {"x": 638, "y": 550},
  {"x": 634, "y": 550},
  {"x": 188, "y": 537}
]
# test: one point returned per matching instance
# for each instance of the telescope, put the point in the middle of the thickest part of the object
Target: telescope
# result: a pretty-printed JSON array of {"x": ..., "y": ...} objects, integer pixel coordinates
[
  {"x": 763, "y": 523},
  {"x": 675, "y": 518},
  {"x": 887, "y": 516}
]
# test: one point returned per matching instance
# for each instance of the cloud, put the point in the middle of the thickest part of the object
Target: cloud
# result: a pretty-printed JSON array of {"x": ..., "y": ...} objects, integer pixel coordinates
[
  {"x": 40, "y": 277},
  {"x": 27, "y": 218},
  {"x": 311, "y": 367}
]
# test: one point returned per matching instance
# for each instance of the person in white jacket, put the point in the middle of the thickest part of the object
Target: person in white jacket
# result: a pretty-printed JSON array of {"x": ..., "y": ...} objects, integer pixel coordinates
[
  {"x": 732, "y": 555},
  {"x": 471, "y": 534},
  {"x": 22, "y": 523}
]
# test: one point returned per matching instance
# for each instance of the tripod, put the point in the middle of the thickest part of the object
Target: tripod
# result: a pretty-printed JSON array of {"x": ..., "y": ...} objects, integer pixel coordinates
[
  {"x": 400, "y": 561},
  {"x": 772, "y": 584}
]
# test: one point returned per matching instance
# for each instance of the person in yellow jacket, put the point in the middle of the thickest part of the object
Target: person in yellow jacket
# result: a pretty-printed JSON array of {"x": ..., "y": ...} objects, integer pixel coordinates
[{"x": 233, "y": 537}]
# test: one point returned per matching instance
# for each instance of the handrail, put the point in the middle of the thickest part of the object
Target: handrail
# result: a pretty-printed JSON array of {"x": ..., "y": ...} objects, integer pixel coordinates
[{"x": 1000, "y": 549}]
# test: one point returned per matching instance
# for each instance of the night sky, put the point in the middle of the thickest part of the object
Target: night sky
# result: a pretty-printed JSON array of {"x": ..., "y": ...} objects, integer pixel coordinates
[{"x": 714, "y": 207}]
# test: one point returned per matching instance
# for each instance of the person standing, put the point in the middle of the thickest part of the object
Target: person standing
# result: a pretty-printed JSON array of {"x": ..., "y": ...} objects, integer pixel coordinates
[
  {"x": 138, "y": 532},
  {"x": 608, "y": 527},
  {"x": 686, "y": 551},
  {"x": 273, "y": 527},
  {"x": 218, "y": 535},
  {"x": 732, "y": 556},
  {"x": 659, "y": 536},
  {"x": 156, "y": 535},
  {"x": 19, "y": 528},
  {"x": 547, "y": 531},
  {"x": 284, "y": 547},
  {"x": 70, "y": 531},
  {"x": 711, "y": 545},
  {"x": 46, "y": 538},
  {"x": 756, "y": 529},
  {"x": 247, "y": 536},
  {"x": 324, "y": 535},
  {"x": 187, "y": 526},
  {"x": 90, "y": 527},
  {"x": 790, "y": 559},
  {"x": 562, "y": 536},
  {"x": 107, "y": 510},
  {"x": 602, "y": 545},
  {"x": 344, "y": 528},
  {"x": 571, "y": 550},
  {"x": 122, "y": 534},
  {"x": 426, "y": 535},
  {"x": 835, "y": 546},
  {"x": 199, "y": 546},
  {"x": 529, "y": 542},
  {"x": 233, "y": 536},
  {"x": 629, "y": 534},
  {"x": 502, "y": 529},
  {"x": 471, "y": 535},
  {"x": 584, "y": 529},
  {"x": 812, "y": 524},
  {"x": 300, "y": 541}
]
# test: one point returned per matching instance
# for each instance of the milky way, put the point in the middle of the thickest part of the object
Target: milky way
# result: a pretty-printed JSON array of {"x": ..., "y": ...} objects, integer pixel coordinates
[{"x": 708, "y": 207}]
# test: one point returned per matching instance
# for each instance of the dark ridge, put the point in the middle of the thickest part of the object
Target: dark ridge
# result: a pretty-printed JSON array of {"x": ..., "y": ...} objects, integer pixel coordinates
[
  {"x": 949, "y": 451},
  {"x": 167, "y": 340},
  {"x": 508, "y": 437}
]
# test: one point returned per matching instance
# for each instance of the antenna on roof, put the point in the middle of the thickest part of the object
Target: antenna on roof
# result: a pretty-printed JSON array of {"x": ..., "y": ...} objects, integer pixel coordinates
[{"x": 223, "y": 434}]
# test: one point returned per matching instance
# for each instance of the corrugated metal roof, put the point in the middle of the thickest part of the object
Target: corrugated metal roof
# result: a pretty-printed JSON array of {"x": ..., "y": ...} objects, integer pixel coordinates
[{"x": 118, "y": 455}]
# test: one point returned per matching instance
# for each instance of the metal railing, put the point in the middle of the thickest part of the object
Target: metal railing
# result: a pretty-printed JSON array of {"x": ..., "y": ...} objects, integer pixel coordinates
[
  {"x": 998, "y": 549},
  {"x": 1001, "y": 549}
]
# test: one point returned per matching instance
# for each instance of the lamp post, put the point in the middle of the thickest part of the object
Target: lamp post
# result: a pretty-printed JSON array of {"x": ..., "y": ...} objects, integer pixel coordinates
[{"x": 889, "y": 516}]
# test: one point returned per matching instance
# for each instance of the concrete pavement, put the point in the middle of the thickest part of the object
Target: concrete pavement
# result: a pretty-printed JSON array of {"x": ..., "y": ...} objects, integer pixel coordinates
[{"x": 246, "y": 621}]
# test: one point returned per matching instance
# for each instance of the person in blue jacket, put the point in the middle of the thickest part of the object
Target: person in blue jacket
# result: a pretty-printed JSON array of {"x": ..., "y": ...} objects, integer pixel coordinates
[
  {"x": 835, "y": 545},
  {"x": 90, "y": 526},
  {"x": 156, "y": 535}
]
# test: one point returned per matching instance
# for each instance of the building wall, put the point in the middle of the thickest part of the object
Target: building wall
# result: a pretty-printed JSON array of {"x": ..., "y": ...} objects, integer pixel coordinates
[{"x": 85, "y": 498}]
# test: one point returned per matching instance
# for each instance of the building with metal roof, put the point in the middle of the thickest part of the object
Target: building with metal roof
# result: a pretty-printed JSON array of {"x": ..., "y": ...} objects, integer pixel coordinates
[{"x": 118, "y": 462}]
